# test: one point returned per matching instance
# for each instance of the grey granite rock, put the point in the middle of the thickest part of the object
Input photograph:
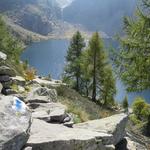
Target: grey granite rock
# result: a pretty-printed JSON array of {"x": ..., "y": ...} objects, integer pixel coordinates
[
  {"x": 14, "y": 125},
  {"x": 114, "y": 125}
]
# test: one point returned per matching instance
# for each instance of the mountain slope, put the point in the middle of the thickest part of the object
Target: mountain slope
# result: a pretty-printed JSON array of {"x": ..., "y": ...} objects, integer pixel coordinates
[
  {"x": 105, "y": 15},
  {"x": 39, "y": 16}
]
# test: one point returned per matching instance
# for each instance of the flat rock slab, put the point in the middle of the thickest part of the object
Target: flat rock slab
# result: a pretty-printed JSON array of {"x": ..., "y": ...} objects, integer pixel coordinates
[
  {"x": 50, "y": 112},
  {"x": 4, "y": 70},
  {"x": 114, "y": 125},
  {"x": 45, "y": 136},
  {"x": 14, "y": 125},
  {"x": 47, "y": 83},
  {"x": 18, "y": 80}
]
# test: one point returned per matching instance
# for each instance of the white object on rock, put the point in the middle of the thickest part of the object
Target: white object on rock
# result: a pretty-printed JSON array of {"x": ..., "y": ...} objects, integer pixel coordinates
[{"x": 19, "y": 105}]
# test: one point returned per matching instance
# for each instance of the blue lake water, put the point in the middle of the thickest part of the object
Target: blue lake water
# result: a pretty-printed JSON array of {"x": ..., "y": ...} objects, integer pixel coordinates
[{"x": 48, "y": 57}]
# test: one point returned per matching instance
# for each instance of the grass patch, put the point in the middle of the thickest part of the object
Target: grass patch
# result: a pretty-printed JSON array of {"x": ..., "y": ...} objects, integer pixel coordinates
[{"x": 81, "y": 107}]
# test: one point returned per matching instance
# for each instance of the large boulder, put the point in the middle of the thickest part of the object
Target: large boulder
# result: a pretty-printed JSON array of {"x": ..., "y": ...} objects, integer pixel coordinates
[
  {"x": 15, "y": 121},
  {"x": 100, "y": 134},
  {"x": 4, "y": 70},
  {"x": 45, "y": 136},
  {"x": 2, "y": 56},
  {"x": 50, "y": 112},
  {"x": 42, "y": 95},
  {"x": 114, "y": 125}
]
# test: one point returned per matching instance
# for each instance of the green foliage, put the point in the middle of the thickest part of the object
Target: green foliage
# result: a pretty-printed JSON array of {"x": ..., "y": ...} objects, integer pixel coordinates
[
  {"x": 80, "y": 106},
  {"x": 133, "y": 60},
  {"x": 125, "y": 103},
  {"x": 97, "y": 74},
  {"x": 134, "y": 119},
  {"x": 138, "y": 105},
  {"x": 146, "y": 111},
  {"x": 8, "y": 44},
  {"x": 72, "y": 72},
  {"x": 141, "y": 111}
]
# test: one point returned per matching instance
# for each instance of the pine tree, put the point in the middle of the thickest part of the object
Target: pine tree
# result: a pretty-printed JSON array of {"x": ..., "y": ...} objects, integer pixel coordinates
[
  {"x": 133, "y": 60},
  {"x": 125, "y": 103},
  {"x": 96, "y": 70},
  {"x": 72, "y": 72}
]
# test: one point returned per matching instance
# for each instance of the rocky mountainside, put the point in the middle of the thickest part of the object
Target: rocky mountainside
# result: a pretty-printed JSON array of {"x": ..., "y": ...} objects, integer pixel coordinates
[
  {"x": 33, "y": 119},
  {"x": 38, "y": 16},
  {"x": 41, "y": 19},
  {"x": 104, "y": 15},
  {"x": 33, "y": 20}
]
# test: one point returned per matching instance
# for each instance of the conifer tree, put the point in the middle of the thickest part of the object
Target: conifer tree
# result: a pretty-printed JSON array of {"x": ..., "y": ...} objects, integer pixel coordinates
[
  {"x": 125, "y": 103},
  {"x": 97, "y": 71},
  {"x": 133, "y": 60},
  {"x": 72, "y": 72}
]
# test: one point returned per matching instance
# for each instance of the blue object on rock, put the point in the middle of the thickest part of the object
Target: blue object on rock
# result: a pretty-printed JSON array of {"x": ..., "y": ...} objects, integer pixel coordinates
[{"x": 19, "y": 105}]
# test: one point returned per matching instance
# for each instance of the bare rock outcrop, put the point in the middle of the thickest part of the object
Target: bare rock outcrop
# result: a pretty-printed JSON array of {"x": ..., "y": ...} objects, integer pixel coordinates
[
  {"x": 102, "y": 134},
  {"x": 15, "y": 122},
  {"x": 114, "y": 125}
]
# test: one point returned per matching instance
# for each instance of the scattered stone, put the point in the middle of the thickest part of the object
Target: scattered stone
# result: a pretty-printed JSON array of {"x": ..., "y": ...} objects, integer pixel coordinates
[
  {"x": 8, "y": 91},
  {"x": 110, "y": 147},
  {"x": 14, "y": 124},
  {"x": 67, "y": 119},
  {"x": 19, "y": 80},
  {"x": 69, "y": 124},
  {"x": 42, "y": 95},
  {"x": 27, "y": 148},
  {"x": 114, "y": 125},
  {"x": 132, "y": 145},
  {"x": 4, "y": 70},
  {"x": 2, "y": 56},
  {"x": 21, "y": 89},
  {"x": 49, "y": 112},
  {"x": 49, "y": 84}
]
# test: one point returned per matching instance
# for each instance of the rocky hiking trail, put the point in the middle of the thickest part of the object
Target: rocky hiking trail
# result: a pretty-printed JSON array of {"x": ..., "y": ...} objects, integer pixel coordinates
[{"x": 36, "y": 120}]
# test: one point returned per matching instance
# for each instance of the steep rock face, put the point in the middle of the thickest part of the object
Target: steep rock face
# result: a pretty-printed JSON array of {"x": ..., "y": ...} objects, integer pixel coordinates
[
  {"x": 39, "y": 16},
  {"x": 14, "y": 124}
]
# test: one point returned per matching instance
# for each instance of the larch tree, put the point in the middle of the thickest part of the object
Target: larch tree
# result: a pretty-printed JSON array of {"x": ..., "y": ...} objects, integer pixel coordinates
[
  {"x": 133, "y": 59},
  {"x": 72, "y": 72},
  {"x": 97, "y": 72}
]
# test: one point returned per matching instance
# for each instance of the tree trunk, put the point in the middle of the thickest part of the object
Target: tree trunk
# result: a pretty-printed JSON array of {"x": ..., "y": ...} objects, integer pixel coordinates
[
  {"x": 87, "y": 90},
  {"x": 77, "y": 84},
  {"x": 94, "y": 78}
]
